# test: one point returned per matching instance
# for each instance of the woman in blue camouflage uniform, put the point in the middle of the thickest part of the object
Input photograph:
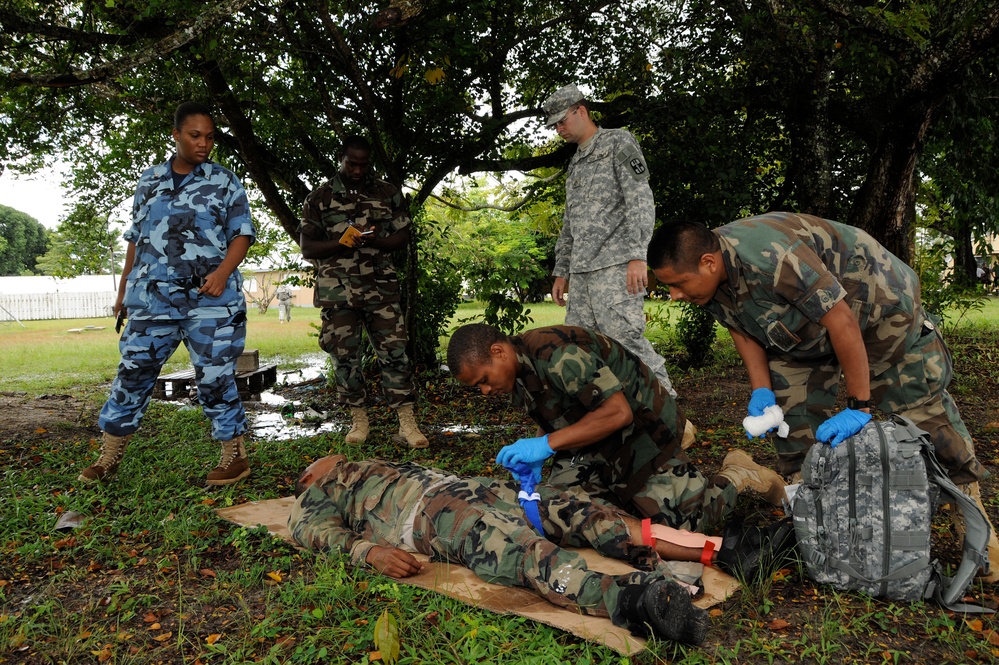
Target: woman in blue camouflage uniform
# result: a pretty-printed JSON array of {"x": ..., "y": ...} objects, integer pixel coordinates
[{"x": 191, "y": 229}]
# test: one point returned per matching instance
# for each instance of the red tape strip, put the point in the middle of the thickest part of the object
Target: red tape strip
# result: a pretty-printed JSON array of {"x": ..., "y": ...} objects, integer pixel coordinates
[
  {"x": 647, "y": 532},
  {"x": 707, "y": 554}
]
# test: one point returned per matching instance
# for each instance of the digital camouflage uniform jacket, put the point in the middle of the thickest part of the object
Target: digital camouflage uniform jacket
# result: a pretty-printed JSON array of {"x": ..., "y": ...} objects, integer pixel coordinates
[
  {"x": 183, "y": 234},
  {"x": 565, "y": 372},
  {"x": 786, "y": 271},
  {"x": 366, "y": 274},
  {"x": 609, "y": 209}
]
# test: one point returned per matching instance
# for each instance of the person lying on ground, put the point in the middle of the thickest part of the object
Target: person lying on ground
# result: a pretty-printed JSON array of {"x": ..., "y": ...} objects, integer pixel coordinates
[{"x": 379, "y": 513}]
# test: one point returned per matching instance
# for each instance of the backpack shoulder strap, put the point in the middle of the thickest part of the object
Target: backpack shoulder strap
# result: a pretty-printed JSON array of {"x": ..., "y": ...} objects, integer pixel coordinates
[{"x": 977, "y": 529}]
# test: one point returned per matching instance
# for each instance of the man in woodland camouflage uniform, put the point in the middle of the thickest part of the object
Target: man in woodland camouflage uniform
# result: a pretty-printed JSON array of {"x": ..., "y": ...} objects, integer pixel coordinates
[
  {"x": 378, "y": 512},
  {"x": 609, "y": 216},
  {"x": 191, "y": 229},
  {"x": 613, "y": 429},
  {"x": 805, "y": 300},
  {"x": 357, "y": 287}
]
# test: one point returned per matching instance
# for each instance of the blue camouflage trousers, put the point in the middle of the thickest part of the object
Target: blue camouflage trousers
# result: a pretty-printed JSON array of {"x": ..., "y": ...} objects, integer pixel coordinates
[{"x": 146, "y": 344}]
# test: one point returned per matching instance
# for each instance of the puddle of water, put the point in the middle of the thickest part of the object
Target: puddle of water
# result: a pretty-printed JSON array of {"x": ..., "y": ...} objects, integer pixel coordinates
[{"x": 276, "y": 427}]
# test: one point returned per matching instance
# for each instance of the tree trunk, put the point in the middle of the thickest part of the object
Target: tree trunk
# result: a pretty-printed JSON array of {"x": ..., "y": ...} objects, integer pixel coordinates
[
  {"x": 811, "y": 167},
  {"x": 884, "y": 205},
  {"x": 249, "y": 147}
]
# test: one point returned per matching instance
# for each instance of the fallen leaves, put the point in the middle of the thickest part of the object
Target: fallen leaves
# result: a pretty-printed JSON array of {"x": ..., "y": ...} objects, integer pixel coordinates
[
  {"x": 778, "y": 624},
  {"x": 386, "y": 639}
]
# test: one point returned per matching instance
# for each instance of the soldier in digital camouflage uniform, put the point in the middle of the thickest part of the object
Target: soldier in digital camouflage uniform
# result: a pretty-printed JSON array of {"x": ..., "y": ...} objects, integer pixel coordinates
[
  {"x": 608, "y": 221},
  {"x": 806, "y": 300},
  {"x": 378, "y": 512},
  {"x": 284, "y": 298},
  {"x": 613, "y": 429},
  {"x": 191, "y": 229},
  {"x": 357, "y": 287}
]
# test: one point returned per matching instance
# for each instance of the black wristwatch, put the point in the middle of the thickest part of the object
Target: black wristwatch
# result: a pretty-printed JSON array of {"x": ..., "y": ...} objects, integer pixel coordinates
[{"x": 854, "y": 403}]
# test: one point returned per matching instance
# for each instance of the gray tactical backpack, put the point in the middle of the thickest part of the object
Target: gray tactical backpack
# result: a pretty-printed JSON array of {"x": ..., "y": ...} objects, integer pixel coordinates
[{"x": 863, "y": 512}]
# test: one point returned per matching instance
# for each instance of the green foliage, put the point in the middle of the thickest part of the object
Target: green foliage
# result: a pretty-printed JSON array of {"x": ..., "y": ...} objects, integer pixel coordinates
[
  {"x": 84, "y": 244},
  {"x": 387, "y": 637},
  {"x": 946, "y": 299},
  {"x": 696, "y": 332},
  {"x": 439, "y": 289},
  {"x": 22, "y": 240},
  {"x": 503, "y": 257}
]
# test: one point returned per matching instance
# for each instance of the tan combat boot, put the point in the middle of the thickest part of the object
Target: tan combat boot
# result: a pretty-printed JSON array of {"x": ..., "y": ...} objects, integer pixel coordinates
[
  {"x": 234, "y": 465},
  {"x": 112, "y": 451},
  {"x": 358, "y": 425},
  {"x": 739, "y": 467},
  {"x": 409, "y": 432},
  {"x": 974, "y": 491}
]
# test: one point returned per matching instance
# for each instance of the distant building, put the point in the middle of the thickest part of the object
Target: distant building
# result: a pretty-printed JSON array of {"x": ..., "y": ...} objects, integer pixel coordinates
[{"x": 258, "y": 284}]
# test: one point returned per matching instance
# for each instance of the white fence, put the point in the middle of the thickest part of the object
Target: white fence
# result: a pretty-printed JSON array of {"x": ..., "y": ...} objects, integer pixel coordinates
[{"x": 35, "y": 306}]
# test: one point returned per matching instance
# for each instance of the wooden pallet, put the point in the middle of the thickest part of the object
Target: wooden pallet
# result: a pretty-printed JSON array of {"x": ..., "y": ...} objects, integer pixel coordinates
[{"x": 180, "y": 384}]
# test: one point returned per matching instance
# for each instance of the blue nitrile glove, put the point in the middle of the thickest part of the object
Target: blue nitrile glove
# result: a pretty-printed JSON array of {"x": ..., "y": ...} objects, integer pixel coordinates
[
  {"x": 529, "y": 476},
  {"x": 528, "y": 451},
  {"x": 842, "y": 426},
  {"x": 761, "y": 399}
]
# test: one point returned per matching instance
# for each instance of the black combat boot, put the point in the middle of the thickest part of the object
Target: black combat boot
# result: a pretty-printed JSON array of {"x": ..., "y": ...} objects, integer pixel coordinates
[{"x": 662, "y": 608}]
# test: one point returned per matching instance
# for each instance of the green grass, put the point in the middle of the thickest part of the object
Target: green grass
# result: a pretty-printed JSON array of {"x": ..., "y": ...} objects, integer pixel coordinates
[
  {"x": 44, "y": 356},
  {"x": 154, "y": 576}
]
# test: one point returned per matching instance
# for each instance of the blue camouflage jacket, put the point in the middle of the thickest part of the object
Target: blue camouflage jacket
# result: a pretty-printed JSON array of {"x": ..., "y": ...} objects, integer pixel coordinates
[{"x": 181, "y": 235}]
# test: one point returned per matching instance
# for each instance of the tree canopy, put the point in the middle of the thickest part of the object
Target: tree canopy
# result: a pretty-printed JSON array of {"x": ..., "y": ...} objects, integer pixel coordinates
[
  {"x": 22, "y": 240},
  {"x": 821, "y": 106}
]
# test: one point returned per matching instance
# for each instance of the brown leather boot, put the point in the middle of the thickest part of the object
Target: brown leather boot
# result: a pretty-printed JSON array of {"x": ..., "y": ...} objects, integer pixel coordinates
[
  {"x": 409, "y": 431},
  {"x": 739, "y": 467},
  {"x": 234, "y": 464},
  {"x": 112, "y": 452},
  {"x": 358, "y": 425}
]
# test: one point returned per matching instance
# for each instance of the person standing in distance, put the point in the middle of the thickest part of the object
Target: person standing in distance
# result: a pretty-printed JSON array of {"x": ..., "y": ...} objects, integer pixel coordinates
[
  {"x": 609, "y": 217},
  {"x": 357, "y": 287},
  {"x": 191, "y": 229}
]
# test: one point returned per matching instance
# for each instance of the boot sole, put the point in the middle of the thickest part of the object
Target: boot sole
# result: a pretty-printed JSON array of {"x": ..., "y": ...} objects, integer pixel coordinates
[
  {"x": 398, "y": 438},
  {"x": 227, "y": 481}
]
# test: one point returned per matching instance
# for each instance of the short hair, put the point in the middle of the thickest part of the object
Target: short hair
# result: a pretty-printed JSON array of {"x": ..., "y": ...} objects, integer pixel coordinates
[
  {"x": 356, "y": 142},
  {"x": 470, "y": 345},
  {"x": 300, "y": 485},
  {"x": 186, "y": 110},
  {"x": 680, "y": 245}
]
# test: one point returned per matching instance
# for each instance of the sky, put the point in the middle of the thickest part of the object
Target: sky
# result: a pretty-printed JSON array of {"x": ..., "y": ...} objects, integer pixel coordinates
[{"x": 40, "y": 196}]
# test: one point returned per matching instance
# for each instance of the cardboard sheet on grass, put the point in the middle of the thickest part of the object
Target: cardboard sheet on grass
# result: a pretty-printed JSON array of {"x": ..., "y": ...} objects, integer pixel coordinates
[{"x": 462, "y": 584}]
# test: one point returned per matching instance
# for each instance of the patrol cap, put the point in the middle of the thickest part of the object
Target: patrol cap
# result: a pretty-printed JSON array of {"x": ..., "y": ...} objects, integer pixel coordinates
[{"x": 560, "y": 102}]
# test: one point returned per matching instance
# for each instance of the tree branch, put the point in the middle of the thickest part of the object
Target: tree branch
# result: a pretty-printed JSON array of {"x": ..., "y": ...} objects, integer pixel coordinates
[{"x": 186, "y": 34}]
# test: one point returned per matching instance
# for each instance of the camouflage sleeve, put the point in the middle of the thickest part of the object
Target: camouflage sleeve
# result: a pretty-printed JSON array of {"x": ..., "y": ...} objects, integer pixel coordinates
[
  {"x": 803, "y": 280},
  {"x": 400, "y": 212},
  {"x": 583, "y": 376},
  {"x": 563, "y": 249},
  {"x": 311, "y": 225},
  {"x": 317, "y": 522},
  {"x": 141, "y": 194},
  {"x": 238, "y": 220},
  {"x": 632, "y": 174}
]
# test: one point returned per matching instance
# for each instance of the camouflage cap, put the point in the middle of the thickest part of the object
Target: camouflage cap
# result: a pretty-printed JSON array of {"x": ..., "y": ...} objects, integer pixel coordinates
[{"x": 560, "y": 102}]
